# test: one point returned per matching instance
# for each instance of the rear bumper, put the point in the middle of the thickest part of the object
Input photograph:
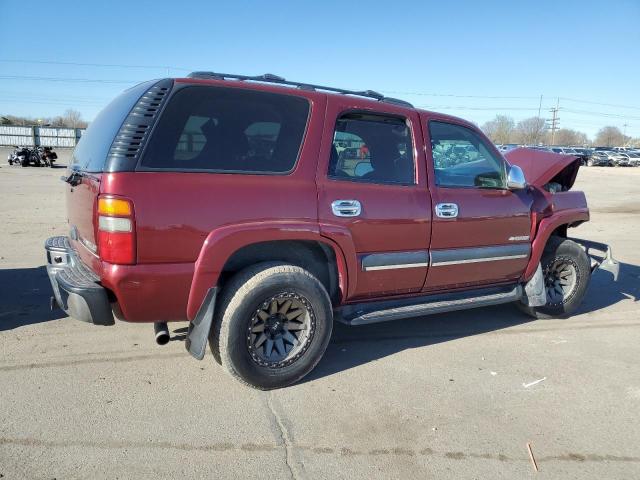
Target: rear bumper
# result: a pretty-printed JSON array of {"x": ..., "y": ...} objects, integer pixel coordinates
[{"x": 75, "y": 286}]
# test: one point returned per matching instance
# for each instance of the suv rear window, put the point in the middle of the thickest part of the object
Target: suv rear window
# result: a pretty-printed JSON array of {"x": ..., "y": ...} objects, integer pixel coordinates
[
  {"x": 228, "y": 130},
  {"x": 91, "y": 152}
]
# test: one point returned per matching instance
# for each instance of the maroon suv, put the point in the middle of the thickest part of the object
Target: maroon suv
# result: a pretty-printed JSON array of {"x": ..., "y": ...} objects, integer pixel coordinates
[{"x": 261, "y": 210}]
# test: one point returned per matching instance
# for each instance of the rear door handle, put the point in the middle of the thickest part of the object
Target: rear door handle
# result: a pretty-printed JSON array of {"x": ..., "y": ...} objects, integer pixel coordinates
[
  {"x": 346, "y": 208},
  {"x": 447, "y": 210}
]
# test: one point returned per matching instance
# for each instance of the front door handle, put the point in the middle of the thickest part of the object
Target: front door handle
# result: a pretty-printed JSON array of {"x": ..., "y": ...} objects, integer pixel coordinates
[
  {"x": 346, "y": 208},
  {"x": 447, "y": 210}
]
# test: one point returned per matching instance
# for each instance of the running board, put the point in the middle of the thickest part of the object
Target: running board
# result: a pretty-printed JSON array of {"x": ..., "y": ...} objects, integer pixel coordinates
[{"x": 374, "y": 312}]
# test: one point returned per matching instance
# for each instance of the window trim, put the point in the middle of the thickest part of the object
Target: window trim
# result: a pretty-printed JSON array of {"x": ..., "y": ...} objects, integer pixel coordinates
[
  {"x": 376, "y": 113},
  {"x": 179, "y": 88},
  {"x": 489, "y": 146}
]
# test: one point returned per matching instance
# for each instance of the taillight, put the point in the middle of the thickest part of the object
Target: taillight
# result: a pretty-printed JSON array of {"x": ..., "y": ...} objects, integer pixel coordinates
[{"x": 116, "y": 231}]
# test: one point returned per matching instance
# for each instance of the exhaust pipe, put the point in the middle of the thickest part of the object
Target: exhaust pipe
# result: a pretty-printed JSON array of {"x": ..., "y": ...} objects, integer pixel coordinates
[{"x": 162, "y": 333}]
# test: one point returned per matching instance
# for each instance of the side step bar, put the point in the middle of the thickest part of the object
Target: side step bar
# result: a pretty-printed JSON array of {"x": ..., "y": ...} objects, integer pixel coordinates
[{"x": 364, "y": 313}]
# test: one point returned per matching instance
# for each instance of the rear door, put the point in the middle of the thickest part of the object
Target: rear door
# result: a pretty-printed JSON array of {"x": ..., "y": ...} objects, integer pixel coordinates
[
  {"x": 372, "y": 196},
  {"x": 481, "y": 230}
]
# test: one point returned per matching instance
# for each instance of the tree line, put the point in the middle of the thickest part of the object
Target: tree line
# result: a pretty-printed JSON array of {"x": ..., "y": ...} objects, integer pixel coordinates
[
  {"x": 69, "y": 119},
  {"x": 535, "y": 131}
]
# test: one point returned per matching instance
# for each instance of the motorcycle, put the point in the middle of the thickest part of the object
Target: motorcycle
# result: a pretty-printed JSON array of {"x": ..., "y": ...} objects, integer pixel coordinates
[
  {"x": 20, "y": 156},
  {"x": 49, "y": 155},
  {"x": 37, "y": 156}
]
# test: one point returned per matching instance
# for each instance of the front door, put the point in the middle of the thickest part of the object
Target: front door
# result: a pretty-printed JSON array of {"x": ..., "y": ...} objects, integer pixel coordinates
[
  {"x": 481, "y": 230},
  {"x": 373, "y": 198}
]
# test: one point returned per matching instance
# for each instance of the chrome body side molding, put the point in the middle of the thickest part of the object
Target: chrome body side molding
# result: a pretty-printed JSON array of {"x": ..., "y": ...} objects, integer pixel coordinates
[
  {"x": 457, "y": 256},
  {"x": 388, "y": 261}
]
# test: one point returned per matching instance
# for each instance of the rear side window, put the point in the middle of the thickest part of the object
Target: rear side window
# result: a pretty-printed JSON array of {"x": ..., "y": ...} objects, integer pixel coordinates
[
  {"x": 373, "y": 149},
  {"x": 228, "y": 130},
  {"x": 91, "y": 152}
]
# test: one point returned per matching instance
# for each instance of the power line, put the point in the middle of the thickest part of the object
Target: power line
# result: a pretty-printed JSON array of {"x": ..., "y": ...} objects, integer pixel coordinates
[
  {"x": 53, "y": 102},
  {"x": 173, "y": 67},
  {"x": 599, "y": 103},
  {"x": 464, "y": 107},
  {"x": 600, "y": 114},
  {"x": 64, "y": 79},
  {"x": 110, "y": 65},
  {"x": 454, "y": 95}
]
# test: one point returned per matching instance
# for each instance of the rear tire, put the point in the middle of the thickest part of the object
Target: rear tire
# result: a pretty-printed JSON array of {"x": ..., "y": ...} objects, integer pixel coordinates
[
  {"x": 272, "y": 325},
  {"x": 567, "y": 270}
]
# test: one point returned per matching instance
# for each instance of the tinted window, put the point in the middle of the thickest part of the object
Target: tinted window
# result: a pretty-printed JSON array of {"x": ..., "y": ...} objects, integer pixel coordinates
[
  {"x": 228, "y": 130},
  {"x": 91, "y": 152},
  {"x": 372, "y": 148},
  {"x": 462, "y": 158}
]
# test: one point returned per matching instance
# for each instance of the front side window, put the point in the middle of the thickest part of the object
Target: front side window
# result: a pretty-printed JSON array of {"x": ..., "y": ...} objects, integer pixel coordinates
[
  {"x": 372, "y": 148},
  {"x": 228, "y": 130},
  {"x": 461, "y": 158}
]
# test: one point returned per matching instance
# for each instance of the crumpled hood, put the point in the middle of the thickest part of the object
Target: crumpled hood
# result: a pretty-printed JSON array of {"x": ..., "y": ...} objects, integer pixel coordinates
[{"x": 541, "y": 168}]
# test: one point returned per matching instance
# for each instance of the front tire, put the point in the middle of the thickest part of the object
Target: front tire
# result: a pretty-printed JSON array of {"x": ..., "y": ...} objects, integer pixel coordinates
[
  {"x": 567, "y": 270},
  {"x": 272, "y": 325}
]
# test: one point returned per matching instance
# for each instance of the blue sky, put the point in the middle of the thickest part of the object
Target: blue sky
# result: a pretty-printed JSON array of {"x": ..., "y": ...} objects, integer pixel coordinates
[{"x": 465, "y": 58}]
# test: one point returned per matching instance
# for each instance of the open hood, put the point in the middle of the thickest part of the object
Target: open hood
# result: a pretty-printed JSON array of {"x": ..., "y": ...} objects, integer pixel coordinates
[{"x": 541, "y": 168}]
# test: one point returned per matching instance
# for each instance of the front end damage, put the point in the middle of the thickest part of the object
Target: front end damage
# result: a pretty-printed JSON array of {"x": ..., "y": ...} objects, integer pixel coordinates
[
  {"x": 554, "y": 209},
  {"x": 600, "y": 255}
]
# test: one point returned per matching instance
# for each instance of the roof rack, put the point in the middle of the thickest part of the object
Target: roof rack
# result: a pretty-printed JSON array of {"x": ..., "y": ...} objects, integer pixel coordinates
[{"x": 271, "y": 78}]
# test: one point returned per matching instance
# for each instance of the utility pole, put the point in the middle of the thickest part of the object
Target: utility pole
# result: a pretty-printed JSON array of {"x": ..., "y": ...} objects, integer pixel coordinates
[
  {"x": 554, "y": 121},
  {"x": 538, "y": 131},
  {"x": 540, "y": 106},
  {"x": 624, "y": 135}
]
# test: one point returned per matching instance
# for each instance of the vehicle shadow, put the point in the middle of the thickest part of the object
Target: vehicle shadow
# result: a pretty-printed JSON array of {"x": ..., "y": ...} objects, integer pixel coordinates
[
  {"x": 603, "y": 291},
  {"x": 56, "y": 165},
  {"x": 354, "y": 346},
  {"x": 24, "y": 298}
]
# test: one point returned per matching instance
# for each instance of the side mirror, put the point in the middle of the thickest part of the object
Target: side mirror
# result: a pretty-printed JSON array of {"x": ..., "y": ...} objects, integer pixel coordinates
[{"x": 515, "y": 178}]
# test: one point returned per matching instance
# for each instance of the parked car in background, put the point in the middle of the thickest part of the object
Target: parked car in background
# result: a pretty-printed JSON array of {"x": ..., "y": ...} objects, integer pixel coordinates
[
  {"x": 507, "y": 147},
  {"x": 631, "y": 158},
  {"x": 584, "y": 157},
  {"x": 617, "y": 158},
  {"x": 635, "y": 158},
  {"x": 599, "y": 158}
]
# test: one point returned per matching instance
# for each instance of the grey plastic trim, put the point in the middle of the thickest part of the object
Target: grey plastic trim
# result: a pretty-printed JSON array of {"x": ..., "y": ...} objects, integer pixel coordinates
[
  {"x": 457, "y": 256},
  {"x": 395, "y": 260}
]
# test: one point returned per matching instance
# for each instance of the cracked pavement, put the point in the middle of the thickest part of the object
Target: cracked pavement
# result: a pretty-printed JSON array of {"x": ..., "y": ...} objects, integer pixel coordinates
[{"x": 433, "y": 397}]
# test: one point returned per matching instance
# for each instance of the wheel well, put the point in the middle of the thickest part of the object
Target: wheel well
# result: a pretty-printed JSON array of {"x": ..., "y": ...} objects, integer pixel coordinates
[
  {"x": 560, "y": 231},
  {"x": 316, "y": 257}
]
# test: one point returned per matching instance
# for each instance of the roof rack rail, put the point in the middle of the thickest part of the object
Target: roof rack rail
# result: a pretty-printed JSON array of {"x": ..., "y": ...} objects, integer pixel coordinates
[{"x": 271, "y": 78}]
